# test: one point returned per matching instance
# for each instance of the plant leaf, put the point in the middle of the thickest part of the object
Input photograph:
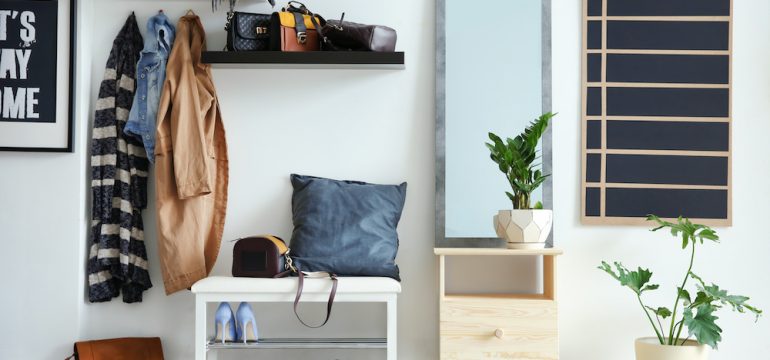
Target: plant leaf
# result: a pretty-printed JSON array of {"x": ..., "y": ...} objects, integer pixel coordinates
[
  {"x": 685, "y": 296},
  {"x": 663, "y": 312},
  {"x": 637, "y": 280},
  {"x": 703, "y": 325},
  {"x": 713, "y": 293},
  {"x": 700, "y": 299},
  {"x": 688, "y": 231},
  {"x": 515, "y": 158}
]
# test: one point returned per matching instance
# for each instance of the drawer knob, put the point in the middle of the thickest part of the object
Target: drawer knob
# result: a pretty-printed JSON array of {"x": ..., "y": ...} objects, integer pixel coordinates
[{"x": 499, "y": 333}]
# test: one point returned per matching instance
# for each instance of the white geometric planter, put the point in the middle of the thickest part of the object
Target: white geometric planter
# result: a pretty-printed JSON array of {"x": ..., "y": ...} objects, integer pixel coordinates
[
  {"x": 649, "y": 348},
  {"x": 524, "y": 229}
]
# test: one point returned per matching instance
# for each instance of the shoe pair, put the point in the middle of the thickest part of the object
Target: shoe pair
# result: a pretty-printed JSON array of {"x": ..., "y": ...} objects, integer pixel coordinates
[{"x": 227, "y": 328}]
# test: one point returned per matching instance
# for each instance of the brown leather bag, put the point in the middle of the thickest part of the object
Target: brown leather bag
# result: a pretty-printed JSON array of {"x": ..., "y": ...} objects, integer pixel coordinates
[
  {"x": 295, "y": 28},
  {"x": 262, "y": 256},
  {"x": 341, "y": 35},
  {"x": 119, "y": 349}
]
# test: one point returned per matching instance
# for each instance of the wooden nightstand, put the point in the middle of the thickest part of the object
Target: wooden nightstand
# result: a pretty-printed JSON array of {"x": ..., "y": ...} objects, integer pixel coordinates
[{"x": 499, "y": 326}]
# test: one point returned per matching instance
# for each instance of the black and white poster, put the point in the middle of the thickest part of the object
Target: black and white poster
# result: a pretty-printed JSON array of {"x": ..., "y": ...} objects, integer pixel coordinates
[{"x": 36, "y": 75}]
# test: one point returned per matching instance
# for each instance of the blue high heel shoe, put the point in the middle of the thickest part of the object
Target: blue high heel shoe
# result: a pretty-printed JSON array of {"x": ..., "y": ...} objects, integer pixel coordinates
[
  {"x": 247, "y": 324},
  {"x": 224, "y": 324}
]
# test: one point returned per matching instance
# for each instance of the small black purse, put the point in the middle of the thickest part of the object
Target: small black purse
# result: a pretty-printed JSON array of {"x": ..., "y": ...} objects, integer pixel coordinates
[{"x": 247, "y": 31}]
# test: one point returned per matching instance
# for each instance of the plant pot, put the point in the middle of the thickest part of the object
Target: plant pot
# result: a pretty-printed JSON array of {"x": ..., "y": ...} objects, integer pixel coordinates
[
  {"x": 524, "y": 229},
  {"x": 649, "y": 348}
]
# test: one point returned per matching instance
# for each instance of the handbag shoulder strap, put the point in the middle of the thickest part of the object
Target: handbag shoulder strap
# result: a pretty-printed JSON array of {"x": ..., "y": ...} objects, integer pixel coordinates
[
  {"x": 329, "y": 304},
  {"x": 291, "y": 269}
]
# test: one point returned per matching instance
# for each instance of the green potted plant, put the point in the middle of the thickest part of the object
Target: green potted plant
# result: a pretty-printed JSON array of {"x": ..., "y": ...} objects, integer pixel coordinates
[
  {"x": 694, "y": 312},
  {"x": 525, "y": 226}
]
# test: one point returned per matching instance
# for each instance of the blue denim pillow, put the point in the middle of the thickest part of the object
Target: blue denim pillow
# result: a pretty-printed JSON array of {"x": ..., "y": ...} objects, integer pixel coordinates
[{"x": 346, "y": 227}]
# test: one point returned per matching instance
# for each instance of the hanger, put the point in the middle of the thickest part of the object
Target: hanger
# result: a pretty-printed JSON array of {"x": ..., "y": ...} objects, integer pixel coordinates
[{"x": 190, "y": 12}]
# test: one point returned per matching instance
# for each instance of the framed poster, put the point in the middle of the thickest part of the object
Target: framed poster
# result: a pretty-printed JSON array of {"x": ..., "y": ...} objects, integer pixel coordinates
[
  {"x": 37, "y": 42},
  {"x": 657, "y": 111}
]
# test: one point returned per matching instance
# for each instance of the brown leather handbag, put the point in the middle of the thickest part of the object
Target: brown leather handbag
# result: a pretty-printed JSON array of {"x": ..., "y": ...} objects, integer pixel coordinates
[
  {"x": 295, "y": 28},
  {"x": 267, "y": 256},
  {"x": 119, "y": 349},
  {"x": 341, "y": 35},
  {"x": 263, "y": 256}
]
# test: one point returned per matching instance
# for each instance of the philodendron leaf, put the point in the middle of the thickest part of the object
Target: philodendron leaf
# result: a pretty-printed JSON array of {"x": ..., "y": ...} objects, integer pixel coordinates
[
  {"x": 637, "y": 280},
  {"x": 686, "y": 229},
  {"x": 714, "y": 293},
  {"x": 700, "y": 299},
  {"x": 650, "y": 287},
  {"x": 685, "y": 296},
  {"x": 663, "y": 312},
  {"x": 703, "y": 325}
]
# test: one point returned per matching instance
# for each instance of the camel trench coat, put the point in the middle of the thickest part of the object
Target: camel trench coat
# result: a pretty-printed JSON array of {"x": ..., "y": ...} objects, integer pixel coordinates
[{"x": 191, "y": 164}]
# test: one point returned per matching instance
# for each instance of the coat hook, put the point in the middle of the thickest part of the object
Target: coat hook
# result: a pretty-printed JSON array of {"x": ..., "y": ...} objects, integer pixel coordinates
[{"x": 190, "y": 12}]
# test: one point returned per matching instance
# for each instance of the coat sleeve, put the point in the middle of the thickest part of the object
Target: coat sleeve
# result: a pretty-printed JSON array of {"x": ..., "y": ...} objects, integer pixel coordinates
[{"x": 180, "y": 110}]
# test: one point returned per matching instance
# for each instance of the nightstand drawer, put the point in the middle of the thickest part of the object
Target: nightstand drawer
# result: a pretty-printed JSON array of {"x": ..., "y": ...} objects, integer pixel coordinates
[{"x": 498, "y": 328}]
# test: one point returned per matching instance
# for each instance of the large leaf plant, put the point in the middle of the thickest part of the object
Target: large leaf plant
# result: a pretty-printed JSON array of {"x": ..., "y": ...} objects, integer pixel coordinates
[
  {"x": 516, "y": 159},
  {"x": 697, "y": 313}
]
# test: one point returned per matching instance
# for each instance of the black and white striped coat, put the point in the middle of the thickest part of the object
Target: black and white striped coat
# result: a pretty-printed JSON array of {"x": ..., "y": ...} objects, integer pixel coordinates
[{"x": 118, "y": 258}]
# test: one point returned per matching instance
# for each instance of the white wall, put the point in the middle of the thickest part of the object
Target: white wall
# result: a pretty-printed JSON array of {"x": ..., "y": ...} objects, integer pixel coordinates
[
  {"x": 42, "y": 220},
  {"x": 41, "y": 258},
  {"x": 599, "y": 319},
  {"x": 375, "y": 126}
]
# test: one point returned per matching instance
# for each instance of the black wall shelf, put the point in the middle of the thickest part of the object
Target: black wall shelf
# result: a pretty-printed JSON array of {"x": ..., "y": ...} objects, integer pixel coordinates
[{"x": 315, "y": 59}]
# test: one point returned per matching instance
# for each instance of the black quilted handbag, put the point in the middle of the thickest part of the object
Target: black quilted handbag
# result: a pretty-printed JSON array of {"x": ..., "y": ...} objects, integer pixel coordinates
[{"x": 247, "y": 31}]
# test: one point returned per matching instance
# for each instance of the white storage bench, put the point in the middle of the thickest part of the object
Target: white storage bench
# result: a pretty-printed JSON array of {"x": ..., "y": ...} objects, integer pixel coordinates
[{"x": 349, "y": 289}]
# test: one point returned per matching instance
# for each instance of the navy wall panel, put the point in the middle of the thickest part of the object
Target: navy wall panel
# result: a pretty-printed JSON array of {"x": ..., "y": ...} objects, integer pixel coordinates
[
  {"x": 670, "y": 203},
  {"x": 594, "y": 7},
  {"x": 593, "y": 202},
  {"x": 667, "y": 35},
  {"x": 693, "y": 69},
  {"x": 668, "y": 102},
  {"x": 594, "y": 168},
  {"x": 668, "y": 169},
  {"x": 665, "y": 135},
  {"x": 594, "y": 106},
  {"x": 594, "y": 67},
  {"x": 667, "y": 7},
  {"x": 594, "y": 34},
  {"x": 594, "y": 134}
]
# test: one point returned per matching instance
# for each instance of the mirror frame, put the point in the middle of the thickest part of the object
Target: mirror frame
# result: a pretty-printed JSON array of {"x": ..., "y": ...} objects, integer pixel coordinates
[{"x": 474, "y": 242}]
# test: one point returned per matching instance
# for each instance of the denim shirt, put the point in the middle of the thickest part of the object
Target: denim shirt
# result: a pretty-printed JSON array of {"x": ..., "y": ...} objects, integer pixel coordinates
[{"x": 150, "y": 76}]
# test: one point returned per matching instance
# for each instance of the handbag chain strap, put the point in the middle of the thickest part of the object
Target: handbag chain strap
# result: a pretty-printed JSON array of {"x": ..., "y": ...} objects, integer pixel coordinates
[{"x": 230, "y": 15}]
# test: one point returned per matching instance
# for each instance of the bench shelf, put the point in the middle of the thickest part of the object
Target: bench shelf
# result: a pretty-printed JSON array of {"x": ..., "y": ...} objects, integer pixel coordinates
[
  {"x": 349, "y": 290},
  {"x": 373, "y": 343}
]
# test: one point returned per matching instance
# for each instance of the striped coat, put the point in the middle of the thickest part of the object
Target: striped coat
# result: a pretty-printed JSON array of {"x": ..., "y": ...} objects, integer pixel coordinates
[{"x": 117, "y": 258}]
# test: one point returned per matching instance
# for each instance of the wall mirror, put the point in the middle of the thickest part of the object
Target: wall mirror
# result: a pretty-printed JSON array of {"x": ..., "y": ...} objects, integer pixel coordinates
[{"x": 493, "y": 73}]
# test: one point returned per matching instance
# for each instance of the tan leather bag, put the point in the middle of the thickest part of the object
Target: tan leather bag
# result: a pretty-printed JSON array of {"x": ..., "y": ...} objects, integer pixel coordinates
[
  {"x": 119, "y": 349},
  {"x": 295, "y": 29}
]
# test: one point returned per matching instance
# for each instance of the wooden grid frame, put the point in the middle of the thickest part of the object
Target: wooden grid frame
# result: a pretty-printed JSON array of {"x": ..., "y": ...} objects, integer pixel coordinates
[{"x": 603, "y": 184}]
